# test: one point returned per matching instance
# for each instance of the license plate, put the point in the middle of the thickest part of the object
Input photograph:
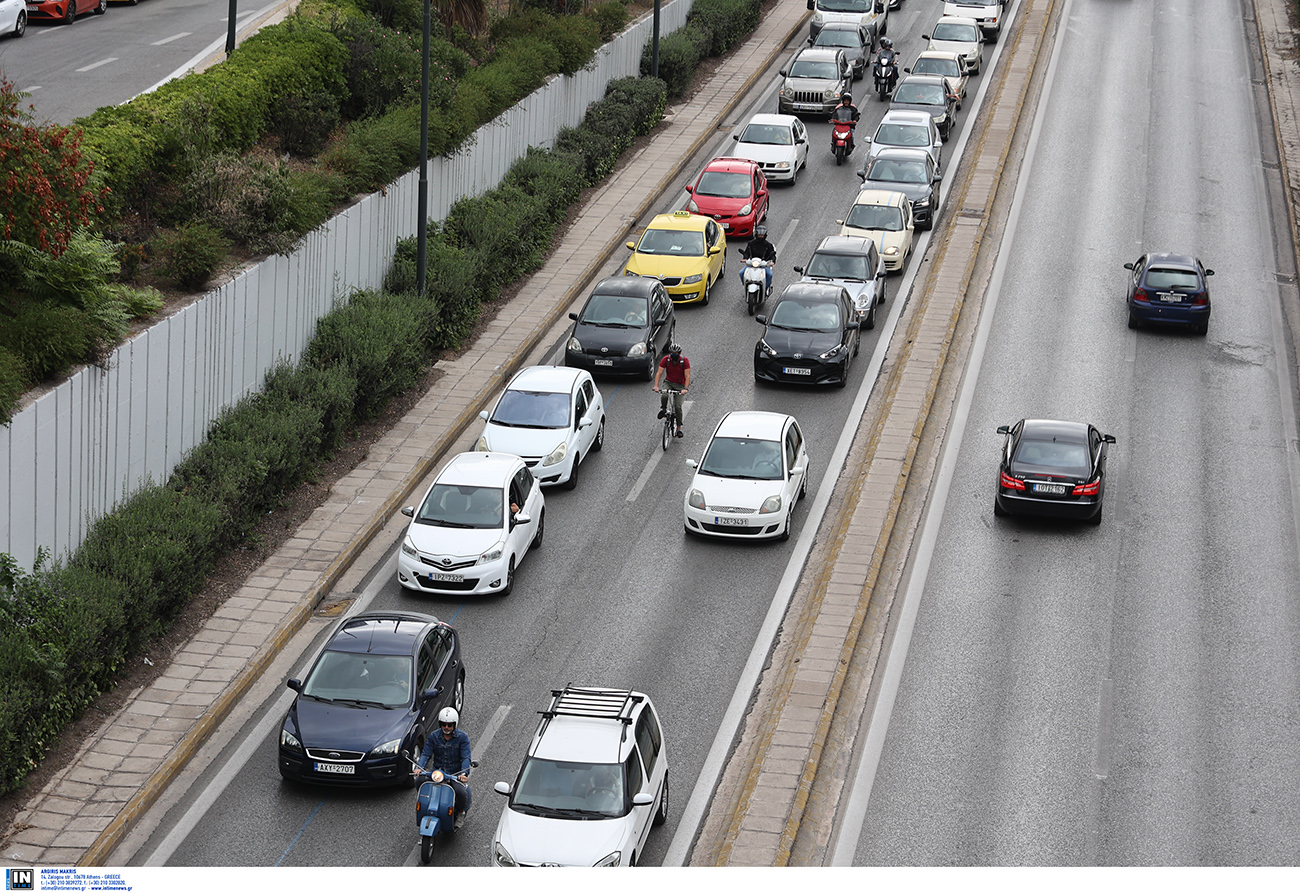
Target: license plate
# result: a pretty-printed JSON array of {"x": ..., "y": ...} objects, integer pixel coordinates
[
  {"x": 806, "y": 106},
  {"x": 729, "y": 522},
  {"x": 336, "y": 768},
  {"x": 603, "y": 362},
  {"x": 796, "y": 370},
  {"x": 1170, "y": 297},
  {"x": 446, "y": 578},
  {"x": 1050, "y": 489},
  {"x": 726, "y": 225}
]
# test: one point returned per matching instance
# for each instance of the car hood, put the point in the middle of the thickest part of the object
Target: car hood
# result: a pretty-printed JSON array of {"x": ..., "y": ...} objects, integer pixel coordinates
[
  {"x": 615, "y": 338},
  {"x": 532, "y": 839},
  {"x": 857, "y": 288},
  {"x": 454, "y": 541},
  {"x": 525, "y": 442},
  {"x": 811, "y": 84},
  {"x": 660, "y": 266},
  {"x": 883, "y": 238},
  {"x": 733, "y": 492},
  {"x": 960, "y": 47},
  {"x": 787, "y": 341},
  {"x": 339, "y": 727},
  {"x": 764, "y": 153},
  {"x": 720, "y": 204},
  {"x": 914, "y": 191}
]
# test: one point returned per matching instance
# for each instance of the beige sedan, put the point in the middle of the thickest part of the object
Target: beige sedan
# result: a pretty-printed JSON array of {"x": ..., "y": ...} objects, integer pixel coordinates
[{"x": 886, "y": 218}]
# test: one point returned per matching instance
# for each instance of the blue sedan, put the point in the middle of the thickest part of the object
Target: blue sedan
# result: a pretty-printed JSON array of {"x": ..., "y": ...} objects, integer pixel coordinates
[{"x": 1169, "y": 289}]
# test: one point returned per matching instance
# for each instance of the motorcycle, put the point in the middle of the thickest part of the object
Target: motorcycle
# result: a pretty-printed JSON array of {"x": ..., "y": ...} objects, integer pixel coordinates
[
  {"x": 842, "y": 124},
  {"x": 435, "y": 808},
  {"x": 754, "y": 275},
  {"x": 886, "y": 73}
]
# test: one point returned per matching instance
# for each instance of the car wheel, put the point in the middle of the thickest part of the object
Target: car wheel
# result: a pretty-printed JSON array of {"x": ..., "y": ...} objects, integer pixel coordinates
[
  {"x": 101, "y": 8},
  {"x": 868, "y": 323},
  {"x": 654, "y": 361},
  {"x": 803, "y": 485},
  {"x": 661, "y": 815},
  {"x": 458, "y": 697},
  {"x": 572, "y": 482},
  {"x": 708, "y": 287},
  {"x": 598, "y": 444},
  {"x": 794, "y": 174},
  {"x": 70, "y": 14},
  {"x": 419, "y": 749},
  {"x": 844, "y": 373},
  {"x": 541, "y": 530},
  {"x": 1133, "y": 321},
  {"x": 20, "y": 27},
  {"x": 785, "y": 531},
  {"x": 510, "y": 578},
  {"x": 998, "y": 510}
]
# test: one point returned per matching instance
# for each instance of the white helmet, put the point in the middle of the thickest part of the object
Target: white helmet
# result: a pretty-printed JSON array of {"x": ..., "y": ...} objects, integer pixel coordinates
[{"x": 448, "y": 714}]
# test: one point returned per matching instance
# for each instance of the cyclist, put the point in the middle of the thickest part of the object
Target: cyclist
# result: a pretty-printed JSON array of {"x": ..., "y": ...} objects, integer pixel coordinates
[{"x": 675, "y": 372}]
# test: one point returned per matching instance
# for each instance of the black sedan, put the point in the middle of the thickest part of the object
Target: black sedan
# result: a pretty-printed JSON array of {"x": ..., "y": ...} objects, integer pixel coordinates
[
  {"x": 1169, "y": 289},
  {"x": 928, "y": 93},
  {"x": 371, "y": 696},
  {"x": 625, "y": 326},
  {"x": 911, "y": 172},
  {"x": 811, "y": 336},
  {"x": 1052, "y": 469}
]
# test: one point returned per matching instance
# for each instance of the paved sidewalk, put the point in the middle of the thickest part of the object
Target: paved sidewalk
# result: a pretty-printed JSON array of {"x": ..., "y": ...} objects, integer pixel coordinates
[{"x": 84, "y": 812}]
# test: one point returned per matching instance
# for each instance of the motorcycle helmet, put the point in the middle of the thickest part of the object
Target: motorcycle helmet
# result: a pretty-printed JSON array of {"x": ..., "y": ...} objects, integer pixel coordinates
[
  {"x": 760, "y": 232},
  {"x": 886, "y": 43},
  {"x": 448, "y": 714},
  {"x": 847, "y": 98}
]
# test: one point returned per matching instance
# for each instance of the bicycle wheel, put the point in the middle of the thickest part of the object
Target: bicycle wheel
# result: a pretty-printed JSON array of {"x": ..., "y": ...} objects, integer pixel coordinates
[{"x": 668, "y": 428}]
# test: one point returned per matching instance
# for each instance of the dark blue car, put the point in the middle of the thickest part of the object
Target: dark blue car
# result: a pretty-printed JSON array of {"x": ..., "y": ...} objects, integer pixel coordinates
[
  {"x": 1169, "y": 289},
  {"x": 371, "y": 696}
]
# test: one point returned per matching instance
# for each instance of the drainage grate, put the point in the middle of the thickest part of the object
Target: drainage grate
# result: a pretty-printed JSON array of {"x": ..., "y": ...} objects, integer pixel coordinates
[{"x": 1284, "y": 278}]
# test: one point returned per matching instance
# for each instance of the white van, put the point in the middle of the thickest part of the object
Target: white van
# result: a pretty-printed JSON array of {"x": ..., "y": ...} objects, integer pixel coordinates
[{"x": 870, "y": 14}]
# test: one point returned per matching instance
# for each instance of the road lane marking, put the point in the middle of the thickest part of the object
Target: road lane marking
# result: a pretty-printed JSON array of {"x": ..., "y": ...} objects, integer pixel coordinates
[
  {"x": 654, "y": 460},
  {"x": 158, "y": 43},
  {"x": 94, "y": 65}
]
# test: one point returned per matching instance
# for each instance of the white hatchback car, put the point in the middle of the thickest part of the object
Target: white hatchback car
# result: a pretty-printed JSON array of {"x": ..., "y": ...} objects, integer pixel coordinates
[
  {"x": 777, "y": 143},
  {"x": 553, "y": 417},
  {"x": 754, "y": 470},
  {"x": 957, "y": 34},
  {"x": 907, "y": 129},
  {"x": 464, "y": 539},
  {"x": 594, "y": 780}
]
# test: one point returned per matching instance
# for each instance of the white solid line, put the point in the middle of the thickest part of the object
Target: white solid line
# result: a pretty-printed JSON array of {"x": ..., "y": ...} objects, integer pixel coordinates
[
  {"x": 158, "y": 43},
  {"x": 95, "y": 65},
  {"x": 654, "y": 460}
]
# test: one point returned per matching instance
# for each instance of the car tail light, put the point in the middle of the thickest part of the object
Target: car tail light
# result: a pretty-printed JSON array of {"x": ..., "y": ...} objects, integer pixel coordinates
[
  {"x": 1091, "y": 488},
  {"x": 1140, "y": 294},
  {"x": 1200, "y": 300},
  {"x": 1007, "y": 482}
]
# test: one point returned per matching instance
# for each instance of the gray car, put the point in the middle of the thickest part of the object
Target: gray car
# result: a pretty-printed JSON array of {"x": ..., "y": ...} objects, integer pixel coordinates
[
  {"x": 814, "y": 81},
  {"x": 852, "y": 39},
  {"x": 853, "y": 263},
  {"x": 911, "y": 172},
  {"x": 927, "y": 93}
]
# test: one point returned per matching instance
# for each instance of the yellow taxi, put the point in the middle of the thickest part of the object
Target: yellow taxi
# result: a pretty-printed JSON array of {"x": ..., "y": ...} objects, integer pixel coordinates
[{"x": 686, "y": 252}]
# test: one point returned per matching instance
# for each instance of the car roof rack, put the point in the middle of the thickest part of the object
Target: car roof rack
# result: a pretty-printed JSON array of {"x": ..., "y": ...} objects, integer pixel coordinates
[{"x": 596, "y": 703}]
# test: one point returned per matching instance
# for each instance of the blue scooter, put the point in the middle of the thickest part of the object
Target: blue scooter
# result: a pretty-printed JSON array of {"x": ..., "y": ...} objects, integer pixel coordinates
[{"x": 435, "y": 809}]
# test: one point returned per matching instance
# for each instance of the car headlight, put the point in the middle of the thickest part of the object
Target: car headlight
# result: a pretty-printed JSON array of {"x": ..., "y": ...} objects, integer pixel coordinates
[
  {"x": 556, "y": 456},
  {"x": 630, "y": 272},
  {"x": 696, "y": 499},
  {"x": 786, "y": 90},
  {"x": 482, "y": 444},
  {"x": 493, "y": 554},
  {"x": 409, "y": 548},
  {"x": 829, "y": 355},
  {"x": 691, "y": 280},
  {"x": 782, "y": 165},
  {"x": 503, "y": 856},
  {"x": 575, "y": 345},
  {"x": 387, "y": 748},
  {"x": 765, "y": 348},
  {"x": 745, "y": 210},
  {"x": 922, "y": 202},
  {"x": 692, "y": 207},
  {"x": 288, "y": 740},
  {"x": 891, "y": 250},
  {"x": 637, "y": 350},
  {"x": 610, "y": 861},
  {"x": 770, "y": 505},
  {"x": 830, "y": 93}
]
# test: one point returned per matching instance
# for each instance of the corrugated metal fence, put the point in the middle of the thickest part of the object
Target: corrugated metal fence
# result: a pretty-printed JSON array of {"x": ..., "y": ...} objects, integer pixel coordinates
[{"x": 76, "y": 452}]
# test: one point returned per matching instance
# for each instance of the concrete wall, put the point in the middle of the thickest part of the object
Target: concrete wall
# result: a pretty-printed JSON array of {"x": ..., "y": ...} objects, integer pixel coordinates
[{"x": 76, "y": 452}]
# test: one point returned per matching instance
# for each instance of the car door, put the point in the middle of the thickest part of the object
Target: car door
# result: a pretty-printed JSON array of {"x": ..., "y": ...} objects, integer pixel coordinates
[
  {"x": 578, "y": 412},
  {"x": 876, "y": 264},
  {"x": 760, "y": 195},
  {"x": 712, "y": 241},
  {"x": 794, "y": 459},
  {"x": 434, "y": 669},
  {"x": 800, "y": 142},
  {"x": 523, "y": 493},
  {"x": 638, "y": 781},
  {"x": 663, "y": 315}
]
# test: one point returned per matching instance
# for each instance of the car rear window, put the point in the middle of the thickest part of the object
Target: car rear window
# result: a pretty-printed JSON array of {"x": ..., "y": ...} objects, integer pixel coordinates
[
  {"x": 1161, "y": 277},
  {"x": 1056, "y": 455}
]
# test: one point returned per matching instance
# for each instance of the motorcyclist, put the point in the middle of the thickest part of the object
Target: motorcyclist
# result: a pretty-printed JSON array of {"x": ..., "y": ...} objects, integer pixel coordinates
[
  {"x": 449, "y": 749},
  {"x": 847, "y": 111},
  {"x": 885, "y": 55},
  {"x": 761, "y": 248}
]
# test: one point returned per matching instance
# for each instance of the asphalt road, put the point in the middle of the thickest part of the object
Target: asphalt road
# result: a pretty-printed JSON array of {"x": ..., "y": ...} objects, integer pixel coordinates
[
  {"x": 1121, "y": 695},
  {"x": 616, "y": 596}
]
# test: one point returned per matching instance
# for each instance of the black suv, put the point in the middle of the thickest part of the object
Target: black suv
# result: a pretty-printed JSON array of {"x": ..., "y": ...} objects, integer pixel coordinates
[{"x": 372, "y": 695}]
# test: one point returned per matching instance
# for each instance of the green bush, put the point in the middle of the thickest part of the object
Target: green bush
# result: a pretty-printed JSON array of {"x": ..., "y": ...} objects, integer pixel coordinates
[
  {"x": 728, "y": 22},
  {"x": 189, "y": 255},
  {"x": 382, "y": 66},
  {"x": 611, "y": 17},
  {"x": 50, "y": 337},
  {"x": 575, "y": 37},
  {"x": 14, "y": 381},
  {"x": 679, "y": 55},
  {"x": 379, "y": 150},
  {"x": 302, "y": 124}
]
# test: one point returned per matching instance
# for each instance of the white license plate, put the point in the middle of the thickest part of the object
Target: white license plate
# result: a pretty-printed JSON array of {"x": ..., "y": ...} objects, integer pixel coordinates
[
  {"x": 806, "y": 106},
  {"x": 1170, "y": 297},
  {"x": 729, "y": 522},
  {"x": 796, "y": 370},
  {"x": 446, "y": 578},
  {"x": 336, "y": 768},
  {"x": 1050, "y": 489},
  {"x": 603, "y": 362}
]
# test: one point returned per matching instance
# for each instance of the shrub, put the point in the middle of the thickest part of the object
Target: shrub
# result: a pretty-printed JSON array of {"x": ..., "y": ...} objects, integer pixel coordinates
[
  {"x": 727, "y": 22},
  {"x": 382, "y": 66},
  {"x": 611, "y": 17},
  {"x": 189, "y": 255},
  {"x": 303, "y": 123},
  {"x": 679, "y": 55},
  {"x": 14, "y": 382},
  {"x": 379, "y": 150},
  {"x": 574, "y": 37}
]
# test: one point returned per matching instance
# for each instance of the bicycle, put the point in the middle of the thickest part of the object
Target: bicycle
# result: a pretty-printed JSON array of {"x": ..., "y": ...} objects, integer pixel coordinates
[{"x": 670, "y": 416}]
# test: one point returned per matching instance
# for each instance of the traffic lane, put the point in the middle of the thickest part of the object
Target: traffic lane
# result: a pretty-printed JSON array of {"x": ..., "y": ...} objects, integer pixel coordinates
[
  {"x": 106, "y": 60},
  {"x": 1171, "y": 649}
]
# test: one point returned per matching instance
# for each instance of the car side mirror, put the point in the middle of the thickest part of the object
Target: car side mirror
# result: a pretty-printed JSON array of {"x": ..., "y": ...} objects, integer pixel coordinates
[
  {"x": 691, "y": 463},
  {"x": 1004, "y": 429},
  {"x": 502, "y": 787},
  {"x": 642, "y": 799},
  {"x": 690, "y": 189},
  {"x": 1209, "y": 272},
  {"x": 840, "y": 222},
  {"x": 632, "y": 245},
  {"x": 584, "y": 423},
  {"x": 573, "y": 316},
  {"x": 907, "y": 71},
  {"x": 408, "y": 510},
  {"x": 798, "y": 270},
  {"x": 716, "y": 249},
  {"x": 1108, "y": 438},
  {"x": 761, "y": 319},
  {"x": 937, "y": 176},
  {"x": 522, "y": 517},
  {"x": 812, "y": 4},
  {"x": 783, "y": 73},
  {"x": 295, "y": 684},
  {"x": 483, "y": 414},
  {"x": 798, "y": 469},
  {"x": 862, "y": 175},
  {"x": 736, "y": 137},
  {"x": 1129, "y": 267},
  {"x": 430, "y": 693}
]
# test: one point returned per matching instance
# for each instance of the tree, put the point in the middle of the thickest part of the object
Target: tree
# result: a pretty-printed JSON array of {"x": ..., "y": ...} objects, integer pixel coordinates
[
  {"x": 45, "y": 191},
  {"x": 469, "y": 14}
]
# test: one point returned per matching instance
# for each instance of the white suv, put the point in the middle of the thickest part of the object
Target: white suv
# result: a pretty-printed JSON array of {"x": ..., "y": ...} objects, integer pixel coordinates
[{"x": 595, "y": 778}]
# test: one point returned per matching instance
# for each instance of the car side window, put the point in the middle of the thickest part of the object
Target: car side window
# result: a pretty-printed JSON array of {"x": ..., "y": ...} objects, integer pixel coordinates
[
  {"x": 711, "y": 233},
  {"x": 633, "y": 774},
  {"x": 589, "y": 390},
  {"x": 580, "y": 410},
  {"x": 873, "y": 259},
  {"x": 426, "y": 665},
  {"x": 521, "y": 485},
  {"x": 648, "y": 739}
]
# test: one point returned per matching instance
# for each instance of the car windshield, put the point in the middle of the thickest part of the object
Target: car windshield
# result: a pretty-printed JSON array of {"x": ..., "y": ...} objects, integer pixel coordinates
[
  {"x": 919, "y": 94},
  {"x": 902, "y": 135},
  {"x": 767, "y": 135},
  {"x": 954, "y": 31},
  {"x": 743, "y": 457},
  {"x": 725, "y": 184},
  {"x": 806, "y": 316},
  {"x": 675, "y": 242},
  {"x": 371, "y": 679},
  {"x": 1056, "y": 456},
  {"x": 806, "y": 68},
  {"x": 1162, "y": 277},
  {"x": 532, "y": 409},
  {"x": 843, "y": 5},
  {"x": 837, "y": 266},
  {"x": 838, "y": 37},
  {"x": 457, "y": 505},
  {"x": 563, "y": 789},
  {"x": 614, "y": 310},
  {"x": 887, "y": 170},
  {"x": 881, "y": 217},
  {"x": 945, "y": 67}
]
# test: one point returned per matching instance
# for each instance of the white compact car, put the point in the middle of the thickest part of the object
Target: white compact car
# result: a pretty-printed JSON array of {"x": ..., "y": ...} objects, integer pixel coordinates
[
  {"x": 754, "y": 470},
  {"x": 594, "y": 780},
  {"x": 886, "y": 218},
  {"x": 776, "y": 143},
  {"x": 960, "y": 35},
  {"x": 552, "y": 417},
  {"x": 464, "y": 539}
]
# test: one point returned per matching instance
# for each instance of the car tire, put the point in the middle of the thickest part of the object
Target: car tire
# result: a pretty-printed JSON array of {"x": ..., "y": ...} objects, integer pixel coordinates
[
  {"x": 998, "y": 510},
  {"x": 599, "y": 443},
  {"x": 785, "y": 531},
  {"x": 101, "y": 8},
  {"x": 20, "y": 26},
  {"x": 458, "y": 697},
  {"x": 661, "y": 814},
  {"x": 70, "y": 14},
  {"x": 510, "y": 578},
  {"x": 541, "y": 531},
  {"x": 803, "y": 485},
  {"x": 868, "y": 323},
  {"x": 708, "y": 287},
  {"x": 653, "y": 363},
  {"x": 844, "y": 374},
  {"x": 409, "y": 783},
  {"x": 1203, "y": 329},
  {"x": 1133, "y": 321},
  {"x": 572, "y": 482},
  {"x": 794, "y": 174}
]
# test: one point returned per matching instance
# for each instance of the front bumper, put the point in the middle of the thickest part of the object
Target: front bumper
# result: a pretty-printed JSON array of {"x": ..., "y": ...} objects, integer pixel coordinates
[
  {"x": 735, "y": 526},
  {"x": 782, "y": 370},
  {"x": 476, "y": 579},
  {"x": 598, "y": 364},
  {"x": 295, "y": 765}
]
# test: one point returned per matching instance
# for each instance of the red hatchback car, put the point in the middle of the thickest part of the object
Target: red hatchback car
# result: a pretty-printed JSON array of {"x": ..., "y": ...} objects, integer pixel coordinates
[
  {"x": 733, "y": 191},
  {"x": 63, "y": 10}
]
